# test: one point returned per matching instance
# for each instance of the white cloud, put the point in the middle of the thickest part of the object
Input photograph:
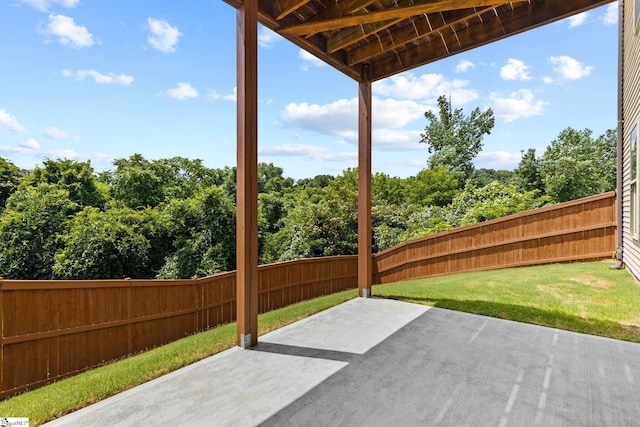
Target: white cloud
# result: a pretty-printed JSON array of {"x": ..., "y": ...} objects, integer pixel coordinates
[
  {"x": 397, "y": 140},
  {"x": 30, "y": 144},
  {"x": 44, "y": 5},
  {"x": 163, "y": 37},
  {"x": 577, "y": 20},
  {"x": 32, "y": 147},
  {"x": 309, "y": 59},
  {"x": 425, "y": 87},
  {"x": 569, "y": 68},
  {"x": 548, "y": 80},
  {"x": 55, "y": 133},
  {"x": 392, "y": 113},
  {"x": 610, "y": 16},
  {"x": 267, "y": 38},
  {"x": 516, "y": 105},
  {"x": 340, "y": 118},
  {"x": 214, "y": 95},
  {"x": 67, "y": 32},
  {"x": 183, "y": 91},
  {"x": 10, "y": 122},
  {"x": 497, "y": 160},
  {"x": 515, "y": 69},
  {"x": 310, "y": 152},
  {"x": 28, "y": 147},
  {"x": 98, "y": 77},
  {"x": 336, "y": 118},
  {"x": 464, "y": 66}
]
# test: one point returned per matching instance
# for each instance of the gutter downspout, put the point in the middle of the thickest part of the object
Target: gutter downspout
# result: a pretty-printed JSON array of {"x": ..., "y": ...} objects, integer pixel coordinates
[{"x": 620, "y": 135}]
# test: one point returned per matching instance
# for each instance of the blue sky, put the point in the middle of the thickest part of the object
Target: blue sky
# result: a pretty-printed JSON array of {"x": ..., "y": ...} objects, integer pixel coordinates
[{"x": 104, "y": 80}]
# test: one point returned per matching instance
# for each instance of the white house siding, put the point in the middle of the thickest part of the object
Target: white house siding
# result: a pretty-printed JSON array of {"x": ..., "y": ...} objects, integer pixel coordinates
[{"x": 631, "y": 117}]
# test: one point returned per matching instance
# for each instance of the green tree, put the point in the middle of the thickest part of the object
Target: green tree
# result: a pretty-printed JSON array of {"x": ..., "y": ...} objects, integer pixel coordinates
[
  {"x": 182, "y": 178},
  {"x": 432, "y": 187},
  {"x": 9, "y": 177},
  {"x": 471, "y": 206},
  {"x": 425, "y": 222},
  {"x": 492, "y": 201},
  {"x": 271, "y": 179},
  {"x": 324, "y": 222},
  {"x": 387, "y": 190},
  {"x": 203, "y": 230},
  {"x": 30, "y": 230},
  {"x": 484, "y": 176},
  {"x": 318, "y": 181},
  {"x": 106, "y": 245},
  {"x": 139, "y": 183},
  {"x": 528, "y": 175},
  {"x": 576, "y": 165},
  {"x": 136, "y": 182},
  {"x": 77, "y": 178},
  {"x": 454, "y": 139}
]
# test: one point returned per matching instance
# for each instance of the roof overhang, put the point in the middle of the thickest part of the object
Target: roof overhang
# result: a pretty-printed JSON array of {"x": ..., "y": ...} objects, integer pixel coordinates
[{"x": 387, "y": 37}]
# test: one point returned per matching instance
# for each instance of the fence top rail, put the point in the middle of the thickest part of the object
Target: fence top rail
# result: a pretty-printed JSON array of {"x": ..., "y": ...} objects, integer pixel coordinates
[
  {"x": 216, "y": 277},
  {"x": 538, "y": 211},
  {"x": 14, "y": 285},
  {"x": 316, "y": 260}
]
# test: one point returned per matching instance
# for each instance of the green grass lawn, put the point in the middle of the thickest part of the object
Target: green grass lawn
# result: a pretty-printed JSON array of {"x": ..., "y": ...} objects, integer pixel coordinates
[{"x": 582, "y": 297}]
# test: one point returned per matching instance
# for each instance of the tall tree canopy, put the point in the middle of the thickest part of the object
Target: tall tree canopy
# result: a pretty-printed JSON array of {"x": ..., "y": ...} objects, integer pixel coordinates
[
  {"x": 30, "y": 230},
  {"x": 9, "y": 177},
  {"x": 77, "y": 178},
  {"x": 455, "y": 139},
  {"x": 107, "y": 244},
  {"x": 528, "y": 176},
  {"x": 577, "y": 165}
]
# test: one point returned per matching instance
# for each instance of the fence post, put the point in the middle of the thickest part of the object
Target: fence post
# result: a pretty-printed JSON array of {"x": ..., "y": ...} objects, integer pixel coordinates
[
  {"x": 199, "y": 304},
  {"x": 129, "y": 315}
]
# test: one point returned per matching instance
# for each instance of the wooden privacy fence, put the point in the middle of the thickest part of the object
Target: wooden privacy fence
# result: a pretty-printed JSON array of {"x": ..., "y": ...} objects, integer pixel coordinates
[
  {"x": 578, "y": 230},
  {"x": 53, "y": 329}
]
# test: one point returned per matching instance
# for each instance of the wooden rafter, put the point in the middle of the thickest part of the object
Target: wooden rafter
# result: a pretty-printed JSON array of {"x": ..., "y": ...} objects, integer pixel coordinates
[
  {"x": 355, "y": 34},
  {"x": 493, "y": 26},
  {"x": 338, "y": 9},
  {"x": 417, "y": 8},
  {"x": 421, "y": 27},
  {"x": 388, "y": 35},
  {"x": 282, "y": 8}
]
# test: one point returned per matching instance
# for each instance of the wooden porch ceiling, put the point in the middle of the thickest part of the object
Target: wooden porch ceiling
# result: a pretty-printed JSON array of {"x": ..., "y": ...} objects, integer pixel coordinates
[{"x": 392, "y": 36}]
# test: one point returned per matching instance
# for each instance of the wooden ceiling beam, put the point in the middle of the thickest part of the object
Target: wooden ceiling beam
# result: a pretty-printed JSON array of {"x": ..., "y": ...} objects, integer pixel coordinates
[
  {"x": 352, "y": 35},
  {"x": 282, "y": 8},
  {"x": 421, "y": 28},
  {"x": 417, "y": 8},
  {"x": 340, "y": 8},
  {"x": 492, "y": 28}
]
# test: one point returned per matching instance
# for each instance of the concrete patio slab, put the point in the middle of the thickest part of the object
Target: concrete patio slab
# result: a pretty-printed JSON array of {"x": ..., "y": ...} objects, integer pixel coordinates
[{"x": 383, "y": 362}]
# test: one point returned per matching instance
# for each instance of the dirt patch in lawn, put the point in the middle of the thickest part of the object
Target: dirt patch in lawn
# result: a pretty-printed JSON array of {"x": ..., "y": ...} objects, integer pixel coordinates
[{"x": 590, "y": 280}]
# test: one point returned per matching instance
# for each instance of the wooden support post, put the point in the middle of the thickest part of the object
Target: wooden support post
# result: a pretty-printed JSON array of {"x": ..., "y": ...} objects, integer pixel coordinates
[
  {"x": 365, "y": 261},
  {"x": 247, "y": 175}
]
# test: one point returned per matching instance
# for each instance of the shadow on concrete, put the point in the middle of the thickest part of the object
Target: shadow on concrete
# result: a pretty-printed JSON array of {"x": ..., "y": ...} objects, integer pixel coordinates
[
  {"x": 315, "y": 353},
  {"x": 456, "y": 369}
]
